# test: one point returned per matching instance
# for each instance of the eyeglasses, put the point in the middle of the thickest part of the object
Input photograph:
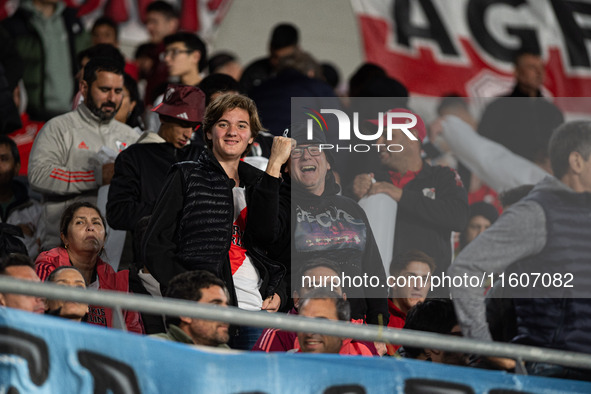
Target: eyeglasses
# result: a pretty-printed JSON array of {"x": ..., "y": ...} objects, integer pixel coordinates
[
  {"x": 313, "y": 150},
  {"x": 173, "y": 53}
]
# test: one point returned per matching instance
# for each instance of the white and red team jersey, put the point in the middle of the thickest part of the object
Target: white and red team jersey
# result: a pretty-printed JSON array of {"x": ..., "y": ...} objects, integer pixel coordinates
[{"x": 247, "y": 280}]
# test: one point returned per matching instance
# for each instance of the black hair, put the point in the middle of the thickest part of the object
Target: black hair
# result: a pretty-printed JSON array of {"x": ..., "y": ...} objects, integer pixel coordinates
[
  {"x": 567, "y": 138},
  {"x": 218, "y": 83},
  {"x": 330, "y": 74},
  {"x": 135, "y": 118},
  {"x": 70, "y": 211},
  {"x": 527, "y": 51},
  {"x": 432, "y": 315},
  {"x": 100, "y": 63},
  {"x": 6, "y": 140},
  {"x": 163, "y": 8},
  {"x": 192, "y": 42},
  {"x": 218, "y": 60},
  {"x": 342, "y": 306},
  {"x": 284, "y": 35},
  {"x": 101, "y": 50},
  {"x": 148, "y": 49},
  {"x": 365, "y": 73},
  {"x": 137, "y": 242},
  {"x": 11, "y": 240},
  {"x": 15, "y": 260},
  {"x": 188, "y": 285},
  {"x": 511, "y": 196},
  {"x": 105, "y": 20}
]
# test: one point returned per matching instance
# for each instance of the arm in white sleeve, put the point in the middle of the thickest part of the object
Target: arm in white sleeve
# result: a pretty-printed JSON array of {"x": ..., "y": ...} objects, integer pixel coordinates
[
  {"x": 496, "y": 165},
  {"x": 49, "y": 167}
]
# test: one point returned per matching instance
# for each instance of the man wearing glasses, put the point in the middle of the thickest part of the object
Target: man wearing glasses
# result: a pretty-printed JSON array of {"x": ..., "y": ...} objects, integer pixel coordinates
[
  {"x": 326, "y": 224},
  {"x": 185, "y": 57}
]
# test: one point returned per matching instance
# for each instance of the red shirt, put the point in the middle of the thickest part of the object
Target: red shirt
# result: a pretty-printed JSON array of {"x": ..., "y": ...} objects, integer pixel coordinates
[
  {"x": 397, "y": 319},
  {"x": 24, "y": 138},
  {"x": 400, "y": 180}
]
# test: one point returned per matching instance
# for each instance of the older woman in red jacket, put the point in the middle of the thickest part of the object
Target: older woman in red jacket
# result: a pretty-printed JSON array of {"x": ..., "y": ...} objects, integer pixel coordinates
[{"x": 82, "y": 231}]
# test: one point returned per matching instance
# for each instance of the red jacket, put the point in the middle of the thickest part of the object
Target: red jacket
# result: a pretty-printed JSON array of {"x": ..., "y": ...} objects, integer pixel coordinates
[
  {"x": 276, "y": 340},
  {"x": 108, "y": 280},
  {"x": 397, "y": 319}
]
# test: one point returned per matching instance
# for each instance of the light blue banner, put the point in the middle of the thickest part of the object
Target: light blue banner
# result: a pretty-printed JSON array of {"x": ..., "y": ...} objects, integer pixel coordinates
[{"x": 42, "y": 354}]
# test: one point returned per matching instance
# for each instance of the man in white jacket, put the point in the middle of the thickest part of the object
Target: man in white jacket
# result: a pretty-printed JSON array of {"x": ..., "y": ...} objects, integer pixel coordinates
[{"x": 73, "y": 153}]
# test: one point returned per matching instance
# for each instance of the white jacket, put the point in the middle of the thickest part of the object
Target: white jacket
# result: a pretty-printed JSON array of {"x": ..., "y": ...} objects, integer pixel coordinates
[
  {"x": 496, "y": 165},
  {"x": 64, "y": 164}
]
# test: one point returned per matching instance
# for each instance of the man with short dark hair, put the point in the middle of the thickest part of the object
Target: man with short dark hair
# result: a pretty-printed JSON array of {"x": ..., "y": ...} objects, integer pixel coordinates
[
  {"x": 16, "y": 207},
  {"x": 19, "y": 266},
  {"x": 68, "y": 157},
  {"x": 162, "y": 19},
  {"x": 202, "y": 287},
  {"x": 548, "y": 233},
  {"x": 523, "y": 120},
  {"x": 185, "y": 56},
  {"x": 529, "y": 74},
  {"x": 105, "y": 31},
  {"x": 284, "y": 41},
  {"x": 412, "y": 271}
]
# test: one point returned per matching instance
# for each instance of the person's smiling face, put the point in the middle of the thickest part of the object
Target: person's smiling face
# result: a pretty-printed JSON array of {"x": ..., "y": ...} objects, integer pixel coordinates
[
  {"x": 231, "y": 135},
  {"x": 309, "y": 167}
]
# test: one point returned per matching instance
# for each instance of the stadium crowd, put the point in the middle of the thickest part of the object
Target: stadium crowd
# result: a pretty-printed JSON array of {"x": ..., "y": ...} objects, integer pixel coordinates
[{"x": 182, "y": 174}]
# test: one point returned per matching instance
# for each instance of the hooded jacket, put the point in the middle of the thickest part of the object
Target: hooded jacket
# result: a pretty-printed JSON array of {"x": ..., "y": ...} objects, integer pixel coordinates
[{"x": 336, "y": 228}]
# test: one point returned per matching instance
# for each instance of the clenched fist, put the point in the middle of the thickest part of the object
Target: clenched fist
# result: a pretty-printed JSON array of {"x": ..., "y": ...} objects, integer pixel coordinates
[{"x": 280, "y": 152}]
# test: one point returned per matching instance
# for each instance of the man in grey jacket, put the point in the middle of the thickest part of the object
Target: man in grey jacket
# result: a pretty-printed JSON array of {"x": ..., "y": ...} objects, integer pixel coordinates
[
  {"x": 73, "y": 154},
  {"x": 540, "y": 247}
]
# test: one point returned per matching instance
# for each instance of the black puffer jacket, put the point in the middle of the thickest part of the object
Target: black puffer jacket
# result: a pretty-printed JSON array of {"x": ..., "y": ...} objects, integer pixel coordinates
[
  {"x": 191, "y": 226},
  {"x": 140, "y": 172}
]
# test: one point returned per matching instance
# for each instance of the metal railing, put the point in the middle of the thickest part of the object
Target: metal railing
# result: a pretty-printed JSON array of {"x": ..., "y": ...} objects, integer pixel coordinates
[{"x": 172, "y": 307}]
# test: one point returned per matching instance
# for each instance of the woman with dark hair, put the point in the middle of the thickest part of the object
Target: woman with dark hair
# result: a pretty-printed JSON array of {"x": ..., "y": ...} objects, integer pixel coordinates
[
  {"x": 83, "y": 234},
  {"x": 211, "y": 213}
]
